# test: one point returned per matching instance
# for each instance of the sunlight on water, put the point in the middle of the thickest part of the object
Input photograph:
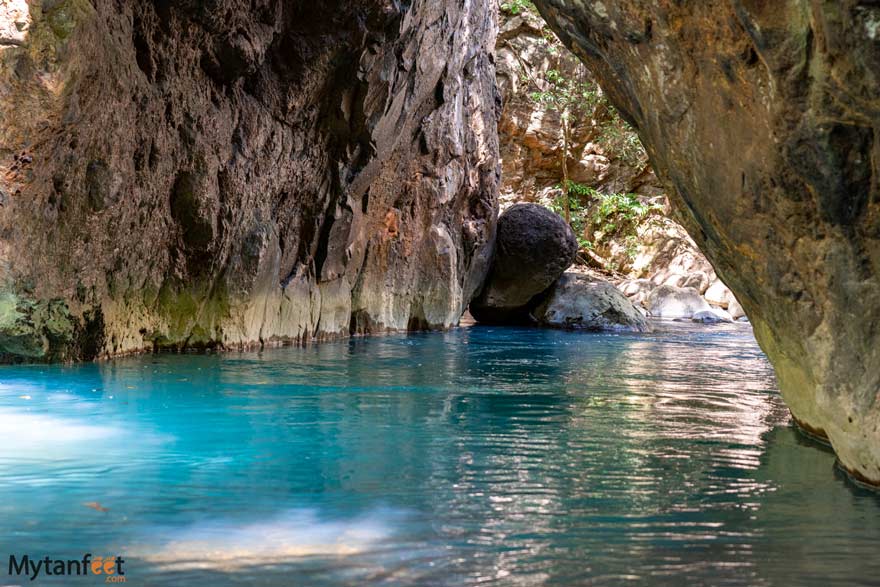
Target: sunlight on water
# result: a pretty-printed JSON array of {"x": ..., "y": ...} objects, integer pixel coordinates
[
  {"x": 480, "y": 456},
  {"x": 227, "y": 545},
  {"x": 48, "y": 435}
]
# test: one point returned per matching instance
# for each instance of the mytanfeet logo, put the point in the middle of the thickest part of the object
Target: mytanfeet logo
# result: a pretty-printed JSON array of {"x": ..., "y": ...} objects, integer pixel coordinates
[{"x": 109, "y": 567}]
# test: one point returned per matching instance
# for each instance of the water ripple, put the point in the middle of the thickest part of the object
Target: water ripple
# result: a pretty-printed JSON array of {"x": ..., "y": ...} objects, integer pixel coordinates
[{"x": 483, "y": 456}]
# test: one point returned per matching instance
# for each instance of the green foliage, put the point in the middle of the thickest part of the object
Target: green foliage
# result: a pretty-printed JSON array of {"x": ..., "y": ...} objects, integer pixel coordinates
[
  {"x": 620, "y": 214},
  {"x": 579, "y": 194},
  {"x": 573, "y": 98},
  {"x": 515, "y": 7},
  {"x": 598, "y": 217},
  {"x": 581, "y": 191},
  {"x": 619, "y": 140}
]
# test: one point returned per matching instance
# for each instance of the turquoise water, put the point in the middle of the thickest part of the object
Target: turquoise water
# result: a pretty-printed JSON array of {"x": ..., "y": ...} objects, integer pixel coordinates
[{"x": 476, "y": 457}]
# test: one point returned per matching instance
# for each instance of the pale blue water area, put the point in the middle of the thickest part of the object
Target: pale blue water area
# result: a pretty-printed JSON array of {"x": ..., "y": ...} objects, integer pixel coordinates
[{"x": 482, "y": 456}]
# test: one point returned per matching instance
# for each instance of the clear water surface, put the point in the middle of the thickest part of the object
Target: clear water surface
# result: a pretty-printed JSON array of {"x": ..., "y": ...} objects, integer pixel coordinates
[{"x": 476, "y": 457}]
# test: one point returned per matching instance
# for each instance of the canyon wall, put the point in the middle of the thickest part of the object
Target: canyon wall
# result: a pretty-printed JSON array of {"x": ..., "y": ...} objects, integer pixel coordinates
[
  {"x": 230, "y": 173},
  {"x": 763, "y": 118}
]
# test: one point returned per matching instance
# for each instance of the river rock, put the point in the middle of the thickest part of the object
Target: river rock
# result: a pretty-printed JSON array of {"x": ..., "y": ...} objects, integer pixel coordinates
[
  {"x": 736, "y": 310},
  {"x": 698, "y": 280},
  {"x": 718, "y": 295},
  {"x": 638, "y": 290},
  {"x": 668, "y": 301},
  {"x": 533, "y": 248},
  {"x": 579, "y": 301},
  {"x": 713, "y": 316}
]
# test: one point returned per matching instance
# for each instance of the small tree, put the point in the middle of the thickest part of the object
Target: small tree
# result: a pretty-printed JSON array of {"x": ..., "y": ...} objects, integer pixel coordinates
[{"x": 574, "y": 99}]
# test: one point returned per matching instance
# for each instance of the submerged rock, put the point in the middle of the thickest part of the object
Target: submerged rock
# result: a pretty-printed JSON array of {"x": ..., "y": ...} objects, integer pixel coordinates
[
  {"x": 713, "y": 316},
  {"x": 533, "y": 248},
  {"x": 579, "y": 301},
  {"x": 668, "y": 301},
  {"x": 764, "y": 118}
]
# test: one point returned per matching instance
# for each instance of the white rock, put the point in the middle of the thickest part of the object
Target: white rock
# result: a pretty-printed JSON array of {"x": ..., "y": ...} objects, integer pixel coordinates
[
  {"x": 718, "y": 294},
  {"x": 735, "y": 309},
  {"x": 667, "y": 301}
]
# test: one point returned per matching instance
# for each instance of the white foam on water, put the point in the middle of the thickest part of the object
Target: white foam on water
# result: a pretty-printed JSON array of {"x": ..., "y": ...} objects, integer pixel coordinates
[
  {"x": 25, "y": 430},
  {"x": 225, "y": 545},
  {"x": 38, "y": 439}
]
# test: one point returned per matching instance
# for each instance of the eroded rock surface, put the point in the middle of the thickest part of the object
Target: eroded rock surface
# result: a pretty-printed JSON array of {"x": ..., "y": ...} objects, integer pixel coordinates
[
  {"x": 763, "y": 117},
  {"x": 582, "y": 302},
  {"x": 240, "y": 172},
  {"x": 534, "y": 247}
]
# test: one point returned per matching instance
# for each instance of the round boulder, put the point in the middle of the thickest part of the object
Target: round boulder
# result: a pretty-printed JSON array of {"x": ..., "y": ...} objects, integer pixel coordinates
[
  {"x": 533, "y": 248},
  {"x": 668, "y": 301},
  {"x": 582, "y": 302}
]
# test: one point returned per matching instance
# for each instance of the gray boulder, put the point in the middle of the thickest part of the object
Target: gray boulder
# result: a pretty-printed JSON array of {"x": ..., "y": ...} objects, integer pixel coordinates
[
  {"x": 668, "y": 301},
  {"x": 582, "y": 302},
  {"x": 713, "y": 316},
  {"x": 533, "y": 248},
  {"x": 637, "y": 290}
]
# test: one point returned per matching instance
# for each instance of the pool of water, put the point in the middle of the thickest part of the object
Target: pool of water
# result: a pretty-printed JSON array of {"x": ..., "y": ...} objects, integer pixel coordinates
[{"x": 482, "y": 456}]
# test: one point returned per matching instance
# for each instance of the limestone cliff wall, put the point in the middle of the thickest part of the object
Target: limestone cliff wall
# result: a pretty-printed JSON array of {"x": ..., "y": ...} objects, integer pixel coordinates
[
  {"x": 236, "y": 172},
  {"x": 763, "y": 117}
]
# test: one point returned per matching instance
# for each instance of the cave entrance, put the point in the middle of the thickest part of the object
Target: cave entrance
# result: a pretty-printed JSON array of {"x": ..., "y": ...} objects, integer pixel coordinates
[{"x": 565, "y": 147}]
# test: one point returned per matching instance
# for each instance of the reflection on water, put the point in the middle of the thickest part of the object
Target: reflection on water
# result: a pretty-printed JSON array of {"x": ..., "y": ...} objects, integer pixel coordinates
[
  {"x": 232, "y": 545},
  {"x": 498, "y": 456},
  {"x": 44, "y": 433}
]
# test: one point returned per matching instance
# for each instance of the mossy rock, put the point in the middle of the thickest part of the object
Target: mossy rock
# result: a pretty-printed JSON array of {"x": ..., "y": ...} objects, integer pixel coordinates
[
  {"x": 54, "y": 21},
  {"x": 41, "y": 329}
]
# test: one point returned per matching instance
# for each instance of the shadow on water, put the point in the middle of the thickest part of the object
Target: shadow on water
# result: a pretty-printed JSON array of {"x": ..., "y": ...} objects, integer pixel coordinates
[{"x": 482, "y": 455}]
